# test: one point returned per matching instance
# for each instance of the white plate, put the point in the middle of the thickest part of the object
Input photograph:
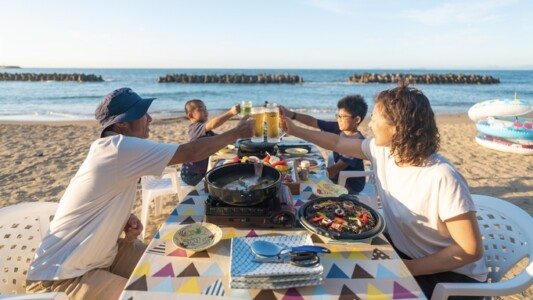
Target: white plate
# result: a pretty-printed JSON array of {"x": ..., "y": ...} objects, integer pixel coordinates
[
  {"x": 197, "y": 236},
  {"x": 227, "y": 149},
  {"x": 324, "y": 189},
  {"x": 296, "y": 151},
  {"x": 314, "y": 162}
]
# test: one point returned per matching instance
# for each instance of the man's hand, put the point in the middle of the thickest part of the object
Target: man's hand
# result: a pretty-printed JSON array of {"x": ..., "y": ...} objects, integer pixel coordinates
[
  {"x": 246, "y": 126},
  {"x": 235, "y": 110},
  {"x": 133, "y": 228}
]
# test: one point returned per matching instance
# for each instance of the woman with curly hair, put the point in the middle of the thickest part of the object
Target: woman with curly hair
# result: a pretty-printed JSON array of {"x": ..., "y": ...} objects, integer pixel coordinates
[{"x": 430, "y": 216}]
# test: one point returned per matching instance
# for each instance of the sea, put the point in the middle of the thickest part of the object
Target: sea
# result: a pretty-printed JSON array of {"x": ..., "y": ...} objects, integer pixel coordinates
[{"x": 317, "y": 95}]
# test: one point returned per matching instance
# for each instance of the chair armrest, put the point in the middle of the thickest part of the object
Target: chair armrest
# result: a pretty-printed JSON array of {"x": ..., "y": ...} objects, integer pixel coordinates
[
  {"x": 512, "y": 286},
  {"x": 43, "y": 296},
  {"x": 344, "y": 175},
  {"x": 330, "y": 161}
]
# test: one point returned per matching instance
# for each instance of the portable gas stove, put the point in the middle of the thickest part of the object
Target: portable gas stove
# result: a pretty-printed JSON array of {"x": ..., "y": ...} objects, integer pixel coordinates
[
  {"x": 275, "y": 212},
  {"x": 249, "y": 148}
]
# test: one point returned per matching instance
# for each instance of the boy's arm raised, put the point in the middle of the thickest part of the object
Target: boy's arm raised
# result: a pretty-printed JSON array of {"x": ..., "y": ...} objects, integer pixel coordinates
[
  {"x": 302, "y": 118},
  {"x": 219, "y": 120},
  {"x": 201, "y": 148}
]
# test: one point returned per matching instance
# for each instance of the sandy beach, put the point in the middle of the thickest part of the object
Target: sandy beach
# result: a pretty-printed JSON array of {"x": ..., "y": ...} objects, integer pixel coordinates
[{"x": 39, "y": 159}]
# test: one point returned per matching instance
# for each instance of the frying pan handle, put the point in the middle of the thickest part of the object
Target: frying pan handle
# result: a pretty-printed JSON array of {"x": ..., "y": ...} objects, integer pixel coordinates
[
  {"x": 349, "y": 197},
  {"x": 316, "y": 249}
]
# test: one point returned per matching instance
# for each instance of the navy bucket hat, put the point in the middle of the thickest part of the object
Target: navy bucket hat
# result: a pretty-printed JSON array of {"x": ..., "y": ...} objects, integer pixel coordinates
[{"x": 122, "y": 105}]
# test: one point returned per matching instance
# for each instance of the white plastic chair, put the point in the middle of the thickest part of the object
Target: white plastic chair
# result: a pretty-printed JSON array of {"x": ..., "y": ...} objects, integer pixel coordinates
[
  {"x": 153, "y": 187},
  {"x": 43, "y": 296},
  {"x": 22, "y": 227},
  {"x": 369, "y": 194},
  {"x": 507, "y": 239}
]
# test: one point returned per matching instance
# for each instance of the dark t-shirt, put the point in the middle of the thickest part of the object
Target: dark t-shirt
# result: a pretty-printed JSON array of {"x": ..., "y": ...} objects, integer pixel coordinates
[
  {"x": 355, "y": 184},
  {"x": 196, "y": 131}
]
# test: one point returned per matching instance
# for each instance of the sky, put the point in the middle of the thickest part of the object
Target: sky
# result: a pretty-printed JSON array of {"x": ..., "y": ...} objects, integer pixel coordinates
[{"x": 286, "y": 34}]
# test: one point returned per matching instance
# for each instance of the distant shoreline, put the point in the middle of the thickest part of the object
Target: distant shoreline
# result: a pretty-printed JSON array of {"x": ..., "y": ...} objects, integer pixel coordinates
[
  {"x": 446, "y": 117},
  {"x": 9, "y": 67},
  {"x": 416, "y": 69}
]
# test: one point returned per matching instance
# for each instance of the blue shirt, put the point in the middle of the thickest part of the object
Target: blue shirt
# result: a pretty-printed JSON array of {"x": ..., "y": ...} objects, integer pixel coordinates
[{"x": 355, "y": 184}]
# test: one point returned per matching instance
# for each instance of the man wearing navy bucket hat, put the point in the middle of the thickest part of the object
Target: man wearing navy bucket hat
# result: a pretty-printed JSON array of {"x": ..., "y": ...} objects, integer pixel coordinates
[
  {"x": 122, "y": 106},
  {"x": 82, "y": 254}
]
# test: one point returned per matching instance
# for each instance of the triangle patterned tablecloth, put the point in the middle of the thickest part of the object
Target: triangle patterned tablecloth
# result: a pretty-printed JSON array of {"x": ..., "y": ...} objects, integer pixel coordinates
[{"x": 351, "y": 271}]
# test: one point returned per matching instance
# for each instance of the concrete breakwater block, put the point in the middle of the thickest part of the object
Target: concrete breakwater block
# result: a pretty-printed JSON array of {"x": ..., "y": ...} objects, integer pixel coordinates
[
  {"x": 231, "y": 78},
  {"x": 50, "y": 77},
  {"x": 430, "y": 78}
]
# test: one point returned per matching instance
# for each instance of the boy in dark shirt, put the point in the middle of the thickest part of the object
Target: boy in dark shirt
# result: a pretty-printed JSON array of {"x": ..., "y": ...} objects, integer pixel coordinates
[
  {"x": 196, "y": 111},
  {"x": 351, "y": 112}
]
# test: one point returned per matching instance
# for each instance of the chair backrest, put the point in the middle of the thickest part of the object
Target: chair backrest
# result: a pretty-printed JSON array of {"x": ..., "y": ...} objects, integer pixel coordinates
[
  {"x": 22, "y": 227},
  {"x": 369, "y": 195},
  {"x": 344, "y": 175},
  {"x": 507, "y": 234},
  {"x": 168, "y": 180},
  {"x": 507, "y": 239}
]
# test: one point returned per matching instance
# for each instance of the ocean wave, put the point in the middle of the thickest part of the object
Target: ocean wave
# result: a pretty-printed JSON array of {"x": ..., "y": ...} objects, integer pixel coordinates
[
  {"x": 68, "y": 97},
  {"x": 68, "y": 115},
  {"x": 177, "y": 94},
  {"x": 45, "y": 117}
]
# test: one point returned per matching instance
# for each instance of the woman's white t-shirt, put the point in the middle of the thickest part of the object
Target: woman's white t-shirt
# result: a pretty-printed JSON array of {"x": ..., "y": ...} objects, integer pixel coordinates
[
  {"x": 96, "y": 206},
  {"x": 416, "y": 202}
]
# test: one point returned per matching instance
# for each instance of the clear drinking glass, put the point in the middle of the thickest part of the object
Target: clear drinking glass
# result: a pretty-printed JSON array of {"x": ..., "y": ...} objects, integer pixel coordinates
[
  {"x": 258, "y": 113},
  {"x": 246, "y": 107},
  {"x": 272, "y": 122}
]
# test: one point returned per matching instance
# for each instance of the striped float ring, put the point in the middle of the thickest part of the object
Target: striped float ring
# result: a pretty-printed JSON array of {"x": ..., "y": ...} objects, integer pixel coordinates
[
  {"x": 508, "y": 128},
  {"x": 499, "y": 108},
  {"x": 504, "y": 145}
]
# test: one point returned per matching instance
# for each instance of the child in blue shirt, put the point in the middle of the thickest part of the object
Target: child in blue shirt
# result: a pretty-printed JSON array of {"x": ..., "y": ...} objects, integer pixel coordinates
[
  {"x": 196, "y": 112},
  {"x": 351, "y": 112}
]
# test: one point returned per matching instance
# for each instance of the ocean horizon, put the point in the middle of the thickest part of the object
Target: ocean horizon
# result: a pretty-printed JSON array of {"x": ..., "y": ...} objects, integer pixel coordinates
[{"x": 317, "y": 95}]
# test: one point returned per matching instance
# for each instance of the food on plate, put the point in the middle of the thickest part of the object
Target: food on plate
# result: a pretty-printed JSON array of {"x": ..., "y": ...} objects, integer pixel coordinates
[
  {"x": 296, "y": 151},
  {"x": 336, "y": 215},
  {"x": 325, "y": 189},
  {"x": 197, "y": 236}
]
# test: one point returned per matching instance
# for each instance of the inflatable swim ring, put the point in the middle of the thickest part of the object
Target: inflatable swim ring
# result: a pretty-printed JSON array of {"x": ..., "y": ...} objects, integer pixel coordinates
[
  {"x": 508, "y": 128},
  {"x": 498, "y": 144},
  {"x": 499, "y": 108}
]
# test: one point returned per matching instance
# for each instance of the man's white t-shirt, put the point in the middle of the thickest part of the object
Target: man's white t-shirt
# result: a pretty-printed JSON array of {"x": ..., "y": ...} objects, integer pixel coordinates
[
  {"x": 416, "y": 202},
  {"x": 96, "y": 206}
]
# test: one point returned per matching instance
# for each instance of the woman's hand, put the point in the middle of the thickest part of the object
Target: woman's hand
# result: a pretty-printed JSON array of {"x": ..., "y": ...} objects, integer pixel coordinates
[
  {"x": 287, "y": 125},
  {"x": 284, "y": 111},
  {"x": 133, "y": 228}
]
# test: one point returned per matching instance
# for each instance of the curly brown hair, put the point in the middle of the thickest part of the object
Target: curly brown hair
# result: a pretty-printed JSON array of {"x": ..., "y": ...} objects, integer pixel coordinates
[{"x": 409, "y": 111}]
